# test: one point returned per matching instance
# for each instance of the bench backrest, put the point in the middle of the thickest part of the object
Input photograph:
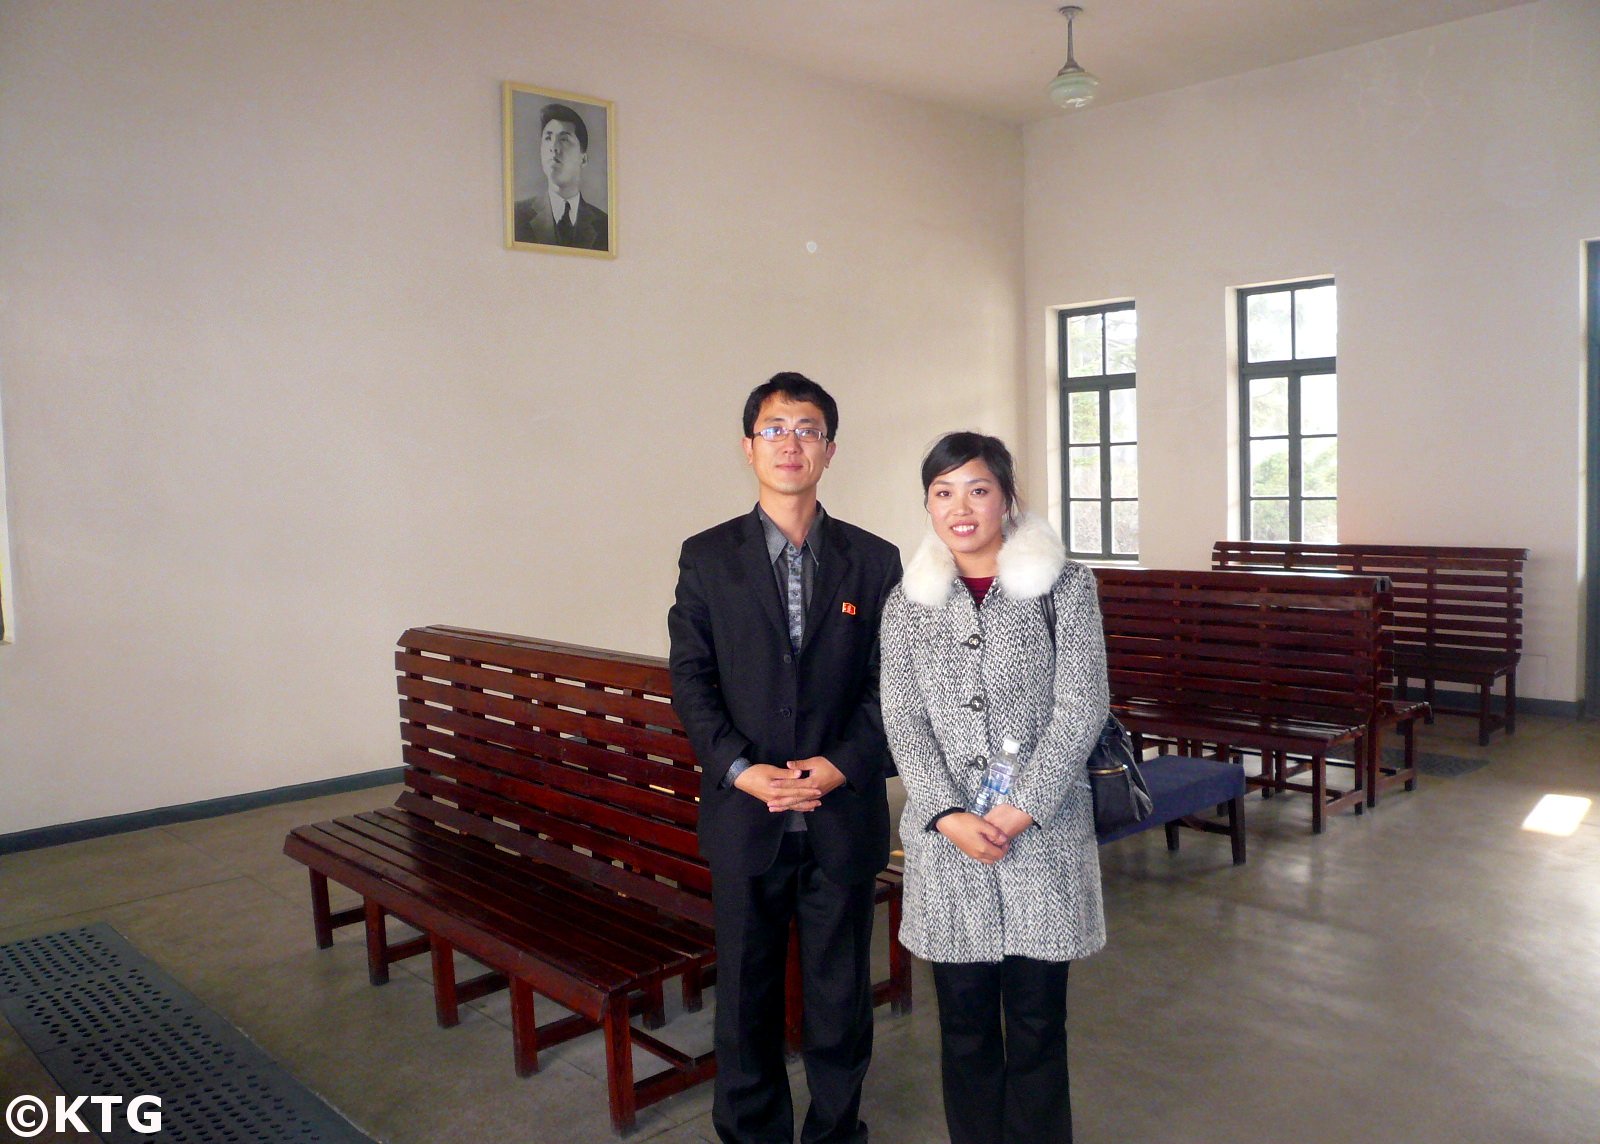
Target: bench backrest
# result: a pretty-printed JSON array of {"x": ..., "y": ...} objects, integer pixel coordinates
[
  {"x": 1308, "y": 647},
  {"x": 1444, "y": 598},
  {"x": 569, "y": 754}
]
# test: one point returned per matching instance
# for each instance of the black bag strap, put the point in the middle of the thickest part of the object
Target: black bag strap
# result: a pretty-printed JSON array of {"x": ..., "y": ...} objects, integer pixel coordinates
[{"x": 1115, "y": 746}]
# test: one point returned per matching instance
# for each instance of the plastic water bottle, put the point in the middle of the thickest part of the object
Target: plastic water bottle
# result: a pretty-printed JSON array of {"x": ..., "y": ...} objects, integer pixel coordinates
[{"x": 997, "y": 779}]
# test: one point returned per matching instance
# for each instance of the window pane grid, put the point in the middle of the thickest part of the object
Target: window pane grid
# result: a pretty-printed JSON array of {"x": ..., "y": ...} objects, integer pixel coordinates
[
  {"x": 1099, "y": 456},
  {"x": 1288, "y": 412}
]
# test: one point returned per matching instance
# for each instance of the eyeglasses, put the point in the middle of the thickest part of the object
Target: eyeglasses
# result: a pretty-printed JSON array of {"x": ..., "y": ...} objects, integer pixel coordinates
[{"x": 806, "y": 434}]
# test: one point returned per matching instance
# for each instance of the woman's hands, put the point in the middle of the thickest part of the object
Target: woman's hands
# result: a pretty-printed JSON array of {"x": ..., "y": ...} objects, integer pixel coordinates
[
  {"x": 1009, "y": 819},
  {"x": 988, "y": 839},
  {"x": 976, "y": 837}
]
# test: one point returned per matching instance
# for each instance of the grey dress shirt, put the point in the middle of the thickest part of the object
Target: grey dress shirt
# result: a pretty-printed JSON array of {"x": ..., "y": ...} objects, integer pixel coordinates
[{"x": 795, "y": 599}]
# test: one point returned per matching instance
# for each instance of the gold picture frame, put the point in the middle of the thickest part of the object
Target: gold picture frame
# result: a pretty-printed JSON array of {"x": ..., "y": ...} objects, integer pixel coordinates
[{"x": 559, "y": 136}]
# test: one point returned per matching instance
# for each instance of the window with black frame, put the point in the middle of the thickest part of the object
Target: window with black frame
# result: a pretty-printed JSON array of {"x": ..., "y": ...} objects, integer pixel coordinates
[
  {"x": 1099, "y": 431},
  {"x": 1289, "y": 412}
]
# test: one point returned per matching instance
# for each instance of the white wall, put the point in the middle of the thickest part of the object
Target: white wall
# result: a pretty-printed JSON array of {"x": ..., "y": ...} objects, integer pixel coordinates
[
  {"x": 274, "y": 390},
  {"x": 1447, "y": 180}
]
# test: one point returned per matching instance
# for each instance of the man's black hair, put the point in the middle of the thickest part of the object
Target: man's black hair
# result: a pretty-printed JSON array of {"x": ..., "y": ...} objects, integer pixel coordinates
[
  {"x": 953, "y": 450},
  {"x": 566, "y": 115},
  {"x": 794, "y": 387}
]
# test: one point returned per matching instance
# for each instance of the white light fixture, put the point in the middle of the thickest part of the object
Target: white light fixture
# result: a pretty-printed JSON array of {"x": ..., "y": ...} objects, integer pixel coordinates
[{"x": 1072, "y": 87}]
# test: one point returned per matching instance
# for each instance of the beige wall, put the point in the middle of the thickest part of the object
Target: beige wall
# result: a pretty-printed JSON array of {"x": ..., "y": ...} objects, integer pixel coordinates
[
  {"x": 274, "y": 390},
  {"x": 1447, "y": 179}
]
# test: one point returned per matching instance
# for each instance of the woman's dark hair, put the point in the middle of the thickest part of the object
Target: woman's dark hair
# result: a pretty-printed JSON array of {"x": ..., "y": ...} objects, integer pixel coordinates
[
  {"x": 794, "y": 387},
  {"x": 953, "y": 450}
]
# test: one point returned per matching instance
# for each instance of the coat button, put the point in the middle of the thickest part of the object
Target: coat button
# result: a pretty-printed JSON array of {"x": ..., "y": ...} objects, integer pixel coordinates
[
  {"x": 787, "y": 658},
  {"x": 978, "y": 761},
  {"x": 976, "y": 703},
  {"x": 974, "y": 641},
  {"x": 784, "y": 712}
]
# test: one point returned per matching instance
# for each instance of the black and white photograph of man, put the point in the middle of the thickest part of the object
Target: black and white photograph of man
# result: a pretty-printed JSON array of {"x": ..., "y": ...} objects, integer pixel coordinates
[{"x": 558, "y": 171}]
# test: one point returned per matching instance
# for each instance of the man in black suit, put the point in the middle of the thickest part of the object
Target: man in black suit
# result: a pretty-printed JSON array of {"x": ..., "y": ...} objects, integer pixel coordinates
[
  {"x": 559, "y": 215},
  {"x": 775, "y": 676}
]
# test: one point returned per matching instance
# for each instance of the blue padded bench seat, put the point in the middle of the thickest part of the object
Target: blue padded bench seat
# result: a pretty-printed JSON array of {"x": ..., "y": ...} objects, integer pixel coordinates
[{"x": 1182, "y": 788}]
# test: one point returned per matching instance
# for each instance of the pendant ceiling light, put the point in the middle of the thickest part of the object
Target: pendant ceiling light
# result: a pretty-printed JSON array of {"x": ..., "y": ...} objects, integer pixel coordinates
[{"x": 1072, "y": 87}]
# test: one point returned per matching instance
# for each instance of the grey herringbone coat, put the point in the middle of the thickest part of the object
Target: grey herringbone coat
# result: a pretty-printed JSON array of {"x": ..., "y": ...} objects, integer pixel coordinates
[{"x": 958, "y": 679}]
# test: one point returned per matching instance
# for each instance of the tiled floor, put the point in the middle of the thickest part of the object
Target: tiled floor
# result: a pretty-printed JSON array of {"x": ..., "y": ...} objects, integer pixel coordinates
[{"x": 1427, "y": 972}]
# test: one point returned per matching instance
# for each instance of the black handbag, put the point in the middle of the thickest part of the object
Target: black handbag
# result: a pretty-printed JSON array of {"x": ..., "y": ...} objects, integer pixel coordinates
[{"x": 1121, "y": 797}]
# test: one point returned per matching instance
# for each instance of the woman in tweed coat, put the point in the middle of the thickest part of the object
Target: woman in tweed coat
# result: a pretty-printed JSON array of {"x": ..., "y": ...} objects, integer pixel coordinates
[{"x": 1000, "y": 904}]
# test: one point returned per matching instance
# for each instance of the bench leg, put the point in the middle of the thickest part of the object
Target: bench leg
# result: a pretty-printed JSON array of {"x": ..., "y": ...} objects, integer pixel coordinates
[
  {"x": 693, "y": 989},
  {"x": 377, "y": 944},
  {"x": 1511, "y": 702},
  {"x": 321, "y": 915},
  {"x": 619, "y": 1064},
  {"x": 1236, "y": 828},
  {"x": 446, "y": 1005},
  {"x": 655, "y": 1004},
  {"x": 1483, "y": 713},
  {"x": 1172, "y": 835},
  {"x": 1368, "y": 762},
  {"x": 524, "y": 1028},
  {"x": 1408, "y": 734},
  {"x": 1319, "y": 790}
]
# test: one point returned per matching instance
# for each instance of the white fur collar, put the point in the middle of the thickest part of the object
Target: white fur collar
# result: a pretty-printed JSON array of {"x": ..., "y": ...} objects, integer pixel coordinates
[{"x": 1030, "y": 560}]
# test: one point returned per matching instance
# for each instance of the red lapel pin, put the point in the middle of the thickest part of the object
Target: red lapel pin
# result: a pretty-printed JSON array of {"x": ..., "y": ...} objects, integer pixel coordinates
[{"x": 848, "y": 608}]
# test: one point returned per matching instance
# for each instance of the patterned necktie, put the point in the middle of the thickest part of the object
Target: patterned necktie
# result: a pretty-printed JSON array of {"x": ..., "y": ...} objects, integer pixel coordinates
[
  {"x": 797, "y": 602},
  {"x": 564, "y": 227}
]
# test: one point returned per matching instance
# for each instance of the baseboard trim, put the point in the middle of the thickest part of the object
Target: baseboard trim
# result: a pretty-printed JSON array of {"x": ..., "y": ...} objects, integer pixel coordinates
[
  {"x": 191, "y": 811},
  {"x": 1467, "y": 701}
]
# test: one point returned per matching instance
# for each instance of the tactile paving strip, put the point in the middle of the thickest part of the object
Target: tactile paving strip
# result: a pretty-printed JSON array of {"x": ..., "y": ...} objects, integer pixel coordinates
[{"x": 105, "y": 1020}]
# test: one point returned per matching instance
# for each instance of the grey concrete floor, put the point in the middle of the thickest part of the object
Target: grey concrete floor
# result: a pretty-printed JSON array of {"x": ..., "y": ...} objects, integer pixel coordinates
[{"x": 1426, "y": 972}]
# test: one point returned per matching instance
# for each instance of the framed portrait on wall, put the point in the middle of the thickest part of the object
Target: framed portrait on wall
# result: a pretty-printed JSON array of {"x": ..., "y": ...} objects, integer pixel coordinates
[{"x": 560, "y": 172}]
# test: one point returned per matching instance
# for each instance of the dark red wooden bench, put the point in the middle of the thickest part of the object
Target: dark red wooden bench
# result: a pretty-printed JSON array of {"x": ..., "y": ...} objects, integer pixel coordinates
[
  {"x": 1457, "y": 613},
  {"x": 547, "y": 830},
  {"x": 1287, "y": 666}
]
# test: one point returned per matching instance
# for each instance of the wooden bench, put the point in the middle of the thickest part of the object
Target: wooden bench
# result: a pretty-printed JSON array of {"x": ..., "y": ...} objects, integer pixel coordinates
[
  {"x": 1183, "y": 789},
  {"x": 1288, "y": 666},
  {"x": 547, "y": 830},
  {"x": 1457, "y": 612}
]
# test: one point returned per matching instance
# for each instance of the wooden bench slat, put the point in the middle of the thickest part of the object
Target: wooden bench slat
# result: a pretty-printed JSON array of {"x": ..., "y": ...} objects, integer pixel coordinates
[
  {"x": 595, "y": 973},
  {"x": 1369, "y": 551},
  {"x": 690, "y": 899},
  {"x": 485, "y": 803},
  {"x": 623, "y": 670},
  {"x": 571, "y": 717},
  {"x": 551, "y": 720},
  {"x": 616, "y": 918},
  {"x": 669, "y": 928},
  {"x": 640, "y": 785},
  {"x": 613, "y": 835},
  {"x": 600, "y": 700},
  {"x": 457, "y": 886}
]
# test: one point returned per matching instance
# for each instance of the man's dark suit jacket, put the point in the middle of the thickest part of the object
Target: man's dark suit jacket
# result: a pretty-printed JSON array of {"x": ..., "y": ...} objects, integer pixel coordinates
[
  {"x": 740, "y": 692},
  {"x": 532, "y": 222}
]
